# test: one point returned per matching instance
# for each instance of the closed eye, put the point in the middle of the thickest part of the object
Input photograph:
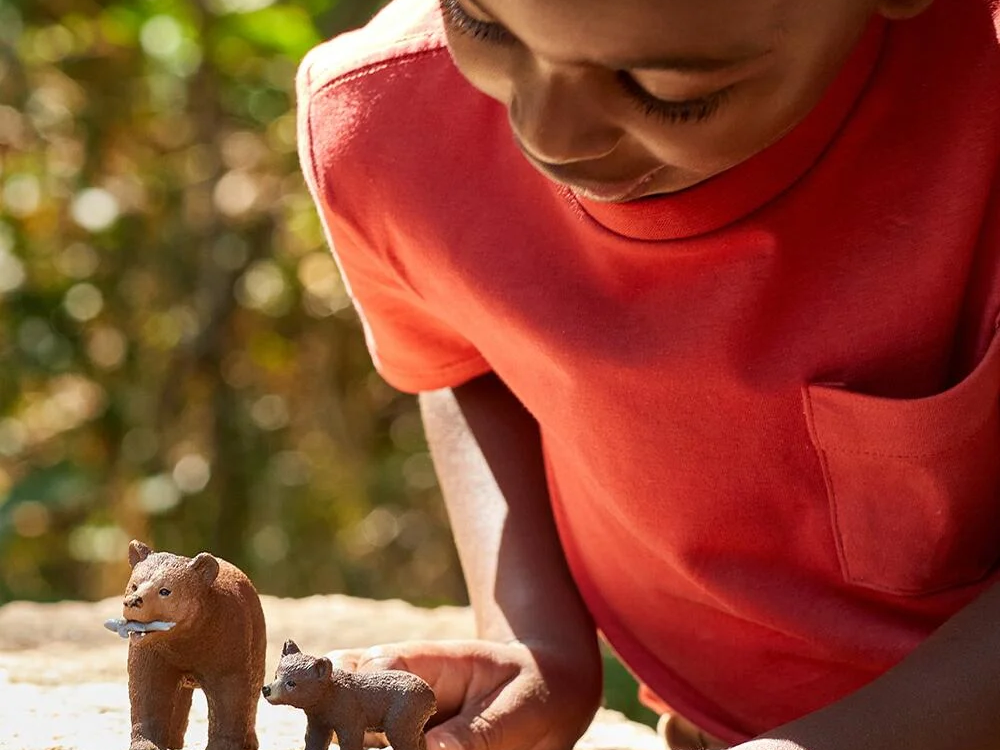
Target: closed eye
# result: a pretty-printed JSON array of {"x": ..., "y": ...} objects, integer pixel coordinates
[
  {"x": 691, "y": 110},
  {"x": 458, "y": 18}
]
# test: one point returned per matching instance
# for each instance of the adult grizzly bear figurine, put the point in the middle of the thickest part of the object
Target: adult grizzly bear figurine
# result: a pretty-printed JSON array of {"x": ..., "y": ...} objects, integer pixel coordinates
[
  {"x": 191, "y": 622},
  {"x": 349, "y": 703}
]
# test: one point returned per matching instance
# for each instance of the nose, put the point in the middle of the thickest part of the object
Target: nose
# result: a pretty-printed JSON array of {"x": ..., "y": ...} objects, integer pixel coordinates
[
  {"x": 133, "y": 601},
  {"x": 266, "y": 690},
  {"x": 556, "y": 114}
]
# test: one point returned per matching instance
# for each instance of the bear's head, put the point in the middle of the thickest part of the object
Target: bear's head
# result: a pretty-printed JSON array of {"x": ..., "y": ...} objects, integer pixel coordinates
[
  {"x": 301, "y": 680},
  {"x": 166, "y": 588}
]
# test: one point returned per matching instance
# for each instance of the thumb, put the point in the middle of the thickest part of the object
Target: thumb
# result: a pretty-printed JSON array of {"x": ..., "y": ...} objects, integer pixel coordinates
[{"x": 381, "y": 657}]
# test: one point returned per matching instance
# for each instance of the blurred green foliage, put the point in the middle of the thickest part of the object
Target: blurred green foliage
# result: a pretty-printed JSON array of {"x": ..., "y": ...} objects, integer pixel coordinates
[{"x": 180, "y": 361}]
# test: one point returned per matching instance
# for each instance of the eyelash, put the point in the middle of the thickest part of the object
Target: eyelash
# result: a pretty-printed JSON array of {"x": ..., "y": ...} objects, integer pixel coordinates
[
  {"x": 693, "y": 110},
  {"x": 456, "y": 16}
]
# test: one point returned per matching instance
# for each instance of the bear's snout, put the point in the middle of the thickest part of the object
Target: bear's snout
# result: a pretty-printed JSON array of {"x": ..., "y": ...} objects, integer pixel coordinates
[
  {"x": 272, "y": 693},
  {"x": 133, "y": 601}
]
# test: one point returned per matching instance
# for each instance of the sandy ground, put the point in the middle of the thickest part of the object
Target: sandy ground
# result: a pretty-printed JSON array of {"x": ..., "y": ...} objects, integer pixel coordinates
[{"x": 64, "y": 685}]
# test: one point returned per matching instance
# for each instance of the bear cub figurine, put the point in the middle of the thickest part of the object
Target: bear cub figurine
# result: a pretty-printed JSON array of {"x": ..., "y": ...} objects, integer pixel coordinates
[
  {"x": 349, "y": 703},
  {"x": 191, "y": 622}
]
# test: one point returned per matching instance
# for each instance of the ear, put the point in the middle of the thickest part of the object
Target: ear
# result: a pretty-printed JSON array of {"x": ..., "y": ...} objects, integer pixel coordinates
[
  {"x": 290, "y": 648},
  {"x": 137, "y": 552},
  {"x": 900, "y": 10},
  {"x": 323, "y": 668},
  {"x": 206, "y": 566}
]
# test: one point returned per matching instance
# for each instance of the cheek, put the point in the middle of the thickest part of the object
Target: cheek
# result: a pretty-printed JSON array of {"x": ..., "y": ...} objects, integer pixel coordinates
[
  {"x": 176, "y": 607},
  {"x": 485, "y": 66},
  {"x": 702, "y": 149},
  {"x": 747, "y": 122}
]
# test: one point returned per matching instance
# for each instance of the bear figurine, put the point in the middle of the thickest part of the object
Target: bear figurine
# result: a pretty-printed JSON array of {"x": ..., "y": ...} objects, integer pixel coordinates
[
  {"x": 191, "y": 622},
  {"x": 349, "y": 703}
]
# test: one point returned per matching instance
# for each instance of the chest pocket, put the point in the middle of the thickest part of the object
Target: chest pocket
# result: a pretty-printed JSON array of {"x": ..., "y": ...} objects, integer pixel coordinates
[{"x": 914, "y": 484}]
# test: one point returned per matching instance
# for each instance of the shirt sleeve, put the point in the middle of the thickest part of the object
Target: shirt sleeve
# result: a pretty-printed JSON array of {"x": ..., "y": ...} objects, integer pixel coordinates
[{"x": 410, "y": 344}]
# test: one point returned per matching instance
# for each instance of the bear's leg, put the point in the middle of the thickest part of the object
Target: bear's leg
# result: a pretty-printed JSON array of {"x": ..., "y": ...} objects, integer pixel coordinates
[
  {"x": 405, "y": 721},
  {"x": 318, "y": 736},
  {"x": 408, "y": 739},
  {"x": 351, "y": 738},
  {"x": 232, "y": 712},
  {"x": 152, "y": 685},
  {"x": 403, "y": 733},
  {"x": 179, "y": 717},
  {"x": 250, "y": 733}
]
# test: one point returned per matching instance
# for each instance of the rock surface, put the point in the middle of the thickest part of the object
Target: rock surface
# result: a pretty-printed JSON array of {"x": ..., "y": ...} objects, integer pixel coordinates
[{"x": 65, "y": 688}]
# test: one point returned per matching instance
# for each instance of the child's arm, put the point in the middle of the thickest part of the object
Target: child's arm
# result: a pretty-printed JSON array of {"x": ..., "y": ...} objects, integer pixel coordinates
[
  {"x": 943, "y": 696},
  {"x": 487, "y": 453},
  {"x": 534, "y": 682},
  {"x": 488, "y": 456}
]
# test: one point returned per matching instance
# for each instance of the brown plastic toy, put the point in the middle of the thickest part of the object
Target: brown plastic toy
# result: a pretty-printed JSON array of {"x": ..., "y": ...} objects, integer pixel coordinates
[
  {"x": 349, "y": 703},
  {"x": 191, "y": 622}
]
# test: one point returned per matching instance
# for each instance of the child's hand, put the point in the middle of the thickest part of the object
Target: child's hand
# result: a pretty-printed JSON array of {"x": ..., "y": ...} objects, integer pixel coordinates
[{"x": 494, "y": 696}]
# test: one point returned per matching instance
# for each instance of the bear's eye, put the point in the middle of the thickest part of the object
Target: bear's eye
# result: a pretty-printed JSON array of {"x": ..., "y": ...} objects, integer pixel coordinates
[
  {"x": 164, "y": 592},
  {"x": 290, "y": 683},
  {"x": 135, "y": 587}
]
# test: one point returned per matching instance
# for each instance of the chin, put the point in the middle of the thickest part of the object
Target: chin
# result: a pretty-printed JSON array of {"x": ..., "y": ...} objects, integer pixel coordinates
[{"x": 672, "y": 180}]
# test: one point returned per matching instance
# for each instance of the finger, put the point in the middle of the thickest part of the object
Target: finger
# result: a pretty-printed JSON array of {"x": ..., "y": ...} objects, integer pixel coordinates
[
  {"x": 345, "y": 658},
  {"x": 422, "y": 657},
  {"x": 387, "y": 656},
  {"x": 509, "y": 721},
  {"x": 450, "y": 668},
  {"x": 507, "y": 709},
  {"x": 454, "y": 734},
  {"x": 468, "y": 732}
]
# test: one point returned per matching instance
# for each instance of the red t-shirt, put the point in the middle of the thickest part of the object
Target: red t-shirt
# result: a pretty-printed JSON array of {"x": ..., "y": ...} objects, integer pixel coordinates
[{"x": 768, "y": 403}]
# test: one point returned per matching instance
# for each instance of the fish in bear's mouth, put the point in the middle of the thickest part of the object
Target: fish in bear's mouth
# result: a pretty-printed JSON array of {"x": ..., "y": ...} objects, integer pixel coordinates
[{"x": 134, "y": 628}]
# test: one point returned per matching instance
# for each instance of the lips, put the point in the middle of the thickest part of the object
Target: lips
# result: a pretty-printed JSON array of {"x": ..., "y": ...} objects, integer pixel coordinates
[
  {"x": 611, "y": 192},
  {"x": 595, "y": 188},
  {"x": 134, "y": 629}
]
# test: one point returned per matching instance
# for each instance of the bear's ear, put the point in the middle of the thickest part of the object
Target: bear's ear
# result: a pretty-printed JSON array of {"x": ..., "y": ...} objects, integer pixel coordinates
[
  {"x": 290, "y": 648},
  {"x": 206, "y": 566},
  {"x": 323, "y": 668},
  {"x": 137, "y": 552}
]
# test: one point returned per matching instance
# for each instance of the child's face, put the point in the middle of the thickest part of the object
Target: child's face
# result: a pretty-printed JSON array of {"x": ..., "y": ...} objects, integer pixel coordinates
[{"x": 621, "y": 99}]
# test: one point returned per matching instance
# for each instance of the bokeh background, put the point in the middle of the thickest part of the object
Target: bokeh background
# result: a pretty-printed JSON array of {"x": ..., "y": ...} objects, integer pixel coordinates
[{"x": 179, "y": 361}]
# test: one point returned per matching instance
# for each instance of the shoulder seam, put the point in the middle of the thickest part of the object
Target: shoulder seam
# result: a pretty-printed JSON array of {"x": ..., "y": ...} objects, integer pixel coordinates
[{"x": 375, "y": 67}]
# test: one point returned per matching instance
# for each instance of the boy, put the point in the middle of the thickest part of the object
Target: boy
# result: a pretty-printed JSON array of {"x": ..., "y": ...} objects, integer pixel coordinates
[{"x": 701, "y": 300}]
